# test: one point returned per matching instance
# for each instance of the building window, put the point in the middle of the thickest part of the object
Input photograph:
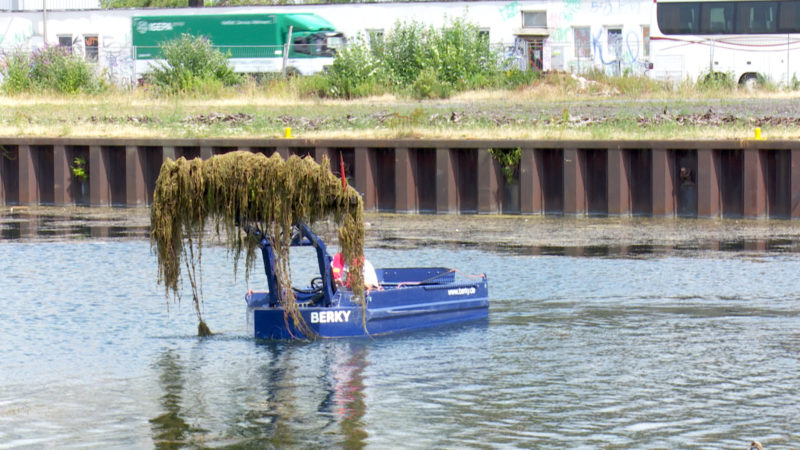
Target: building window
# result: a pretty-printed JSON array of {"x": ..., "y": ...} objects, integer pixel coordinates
[
  {"x": 91, "y": 47},
  {"x": 583, "y": 43},
  {"x": 65, "y": 41},
  {"x": 534, "y": 19},
  {"x": 615, "y": 41},
  {"x": 646, "y": 41}
]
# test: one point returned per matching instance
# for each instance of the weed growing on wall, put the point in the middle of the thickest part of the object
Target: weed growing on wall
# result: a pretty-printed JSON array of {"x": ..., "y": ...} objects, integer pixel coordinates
[
  {"x": 191, "y": 66},
  {"x": 509, "y": 159},
  {"x": 78, "y": 168},
  {"x": 50, "y": 69}
]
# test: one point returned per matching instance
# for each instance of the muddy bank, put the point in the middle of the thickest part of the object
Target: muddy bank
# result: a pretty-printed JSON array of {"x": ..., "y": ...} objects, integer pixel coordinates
[{"x": 516, "y": 234}]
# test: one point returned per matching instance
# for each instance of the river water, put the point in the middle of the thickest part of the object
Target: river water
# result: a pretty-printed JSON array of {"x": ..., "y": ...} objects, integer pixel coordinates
[{"x": 667, "y": 348}]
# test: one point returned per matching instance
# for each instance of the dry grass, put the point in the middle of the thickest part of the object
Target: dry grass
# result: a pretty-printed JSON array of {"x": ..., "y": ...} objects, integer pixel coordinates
[{"x": 558, "y": 107}]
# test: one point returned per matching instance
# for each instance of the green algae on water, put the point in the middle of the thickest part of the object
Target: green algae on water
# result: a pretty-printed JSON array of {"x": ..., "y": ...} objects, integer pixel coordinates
[{"x": 242, "y": 190}]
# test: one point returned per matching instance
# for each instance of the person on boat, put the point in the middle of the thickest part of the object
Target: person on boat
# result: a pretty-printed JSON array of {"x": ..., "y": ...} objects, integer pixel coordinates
[{"x": 339, "y": 269}]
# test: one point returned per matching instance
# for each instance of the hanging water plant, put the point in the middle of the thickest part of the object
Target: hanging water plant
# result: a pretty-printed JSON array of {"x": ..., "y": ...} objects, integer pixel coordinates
[{"x": 241, "y": 190}]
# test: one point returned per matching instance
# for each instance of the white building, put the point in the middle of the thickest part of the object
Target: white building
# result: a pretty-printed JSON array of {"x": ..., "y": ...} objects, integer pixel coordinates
[{"x": 51, "y": 5}]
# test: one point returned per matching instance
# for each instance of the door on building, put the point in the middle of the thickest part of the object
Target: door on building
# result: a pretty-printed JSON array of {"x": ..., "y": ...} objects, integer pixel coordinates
[{"x": 536, "y": 54}]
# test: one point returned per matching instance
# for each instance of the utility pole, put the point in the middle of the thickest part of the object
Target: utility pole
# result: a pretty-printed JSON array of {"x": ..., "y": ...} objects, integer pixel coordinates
[{"x": 44, "y": 21}]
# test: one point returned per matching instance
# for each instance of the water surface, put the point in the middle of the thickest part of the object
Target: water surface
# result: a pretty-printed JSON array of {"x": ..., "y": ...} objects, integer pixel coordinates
[{"x": 671, "y": 348}]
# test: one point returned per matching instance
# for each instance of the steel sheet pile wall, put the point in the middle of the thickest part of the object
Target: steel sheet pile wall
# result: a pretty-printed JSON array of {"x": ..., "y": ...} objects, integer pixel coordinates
[{"x": 754, "y": 179}]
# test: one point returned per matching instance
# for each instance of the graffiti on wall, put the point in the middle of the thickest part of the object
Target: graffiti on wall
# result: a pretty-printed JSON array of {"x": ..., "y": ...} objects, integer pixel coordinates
[
  {"x": 117, "y": 60},
  {"x": 510, "y": 11},
  {"x": 617, "y": 54},
  {"x": 17, "y": 34}
]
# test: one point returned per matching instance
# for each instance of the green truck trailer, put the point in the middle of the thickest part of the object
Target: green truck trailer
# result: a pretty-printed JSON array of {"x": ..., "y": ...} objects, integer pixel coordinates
[{"x": 302, "y": 43}]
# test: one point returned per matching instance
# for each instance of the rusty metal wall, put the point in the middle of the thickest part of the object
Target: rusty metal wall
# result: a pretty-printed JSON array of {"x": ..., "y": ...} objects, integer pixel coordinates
[{"x": 725, "y": 178}]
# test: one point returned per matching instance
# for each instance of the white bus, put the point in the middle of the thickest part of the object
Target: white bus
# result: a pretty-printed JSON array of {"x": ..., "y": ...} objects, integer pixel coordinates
[{"x": 744, "y": 39}]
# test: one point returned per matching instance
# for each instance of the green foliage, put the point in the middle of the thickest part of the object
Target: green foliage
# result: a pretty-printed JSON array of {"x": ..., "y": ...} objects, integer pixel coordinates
[
  {"x": 464, "y": 57},
  {"x": 317, "y": 85},
  {"x": 427, "y": 85},
  {"x": 241, "y": 189},
  {"x": 764, "y": 83},
  {"x": 795, "y": 83},
  {"x": 51, "y": 69},
  {"x": 356, "y": 72},
  {"x": 515, "y": 78},
  {"x": 509, "y": 159},
  {"x": 405, "y": 52},
  {"x": 716, "y": 81},
  {"x": 417, "y": 59},
  {"x": 191, "y": 65},
  {"x": 78, "y": 168}
]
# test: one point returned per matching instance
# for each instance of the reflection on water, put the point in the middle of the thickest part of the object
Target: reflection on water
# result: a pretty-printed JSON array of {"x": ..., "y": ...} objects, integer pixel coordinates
[
  {"x": 273, "y": 409},
  {"x": 348, "y": 399},
  {"x": 21, "y": 224},
  {"x": 170, "y": 429}
]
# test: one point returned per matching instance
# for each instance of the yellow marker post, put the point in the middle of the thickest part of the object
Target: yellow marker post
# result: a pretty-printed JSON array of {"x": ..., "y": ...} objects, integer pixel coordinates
[
  {"x": 287, "y": 132},
  {"x": 758, "y": 133}
]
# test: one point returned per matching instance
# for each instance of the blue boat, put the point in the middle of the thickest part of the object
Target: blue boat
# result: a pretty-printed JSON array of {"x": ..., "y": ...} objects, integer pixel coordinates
[{"x": 408, "y": 299}]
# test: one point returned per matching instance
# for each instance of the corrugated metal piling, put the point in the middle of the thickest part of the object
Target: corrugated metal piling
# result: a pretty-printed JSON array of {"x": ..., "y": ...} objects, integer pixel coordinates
[{"x": 724, "y": 178}]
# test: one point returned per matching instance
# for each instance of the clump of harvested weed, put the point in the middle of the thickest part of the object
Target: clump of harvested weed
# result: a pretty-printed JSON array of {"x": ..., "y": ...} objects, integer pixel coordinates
[{"x": 240, "y": 190}]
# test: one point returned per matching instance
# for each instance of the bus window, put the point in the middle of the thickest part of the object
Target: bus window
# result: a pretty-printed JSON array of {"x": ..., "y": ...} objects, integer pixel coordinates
[
  {"x": 789, "y": 17},
  {"x": 716, "y": 18},
  {"x": 678, "y": 18},
  {"x": 756, "y": 17}
]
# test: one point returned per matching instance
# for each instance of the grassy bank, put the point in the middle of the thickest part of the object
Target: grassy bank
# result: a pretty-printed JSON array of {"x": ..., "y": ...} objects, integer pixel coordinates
[{"x": 555, "y": 107}]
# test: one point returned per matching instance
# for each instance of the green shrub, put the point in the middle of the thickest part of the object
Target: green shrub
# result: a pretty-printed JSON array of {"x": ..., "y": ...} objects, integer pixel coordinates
[
  {"x": 427, "y": 85},
  {"x": 405, "y": 52},
  {"x": 50, "y": 69},
  {"x": 716, "y": 81},
  {"x": 16, "y": 73},
  {"x": 514, "y": 78},
  {"x": 465, "y": 59},
  {"x": 355, "y": 72},
  {"x": 191, "y": 65},
  {"x": 318, "y": 85},
  {"x": 417, "y": 59}
]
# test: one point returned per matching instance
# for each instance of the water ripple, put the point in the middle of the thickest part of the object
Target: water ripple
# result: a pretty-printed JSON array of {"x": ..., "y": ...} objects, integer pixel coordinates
[{"x": 687, "y": 350}]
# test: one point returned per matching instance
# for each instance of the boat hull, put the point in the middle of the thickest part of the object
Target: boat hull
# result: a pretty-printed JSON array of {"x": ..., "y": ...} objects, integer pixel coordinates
[{"x": 393, "y": 310}]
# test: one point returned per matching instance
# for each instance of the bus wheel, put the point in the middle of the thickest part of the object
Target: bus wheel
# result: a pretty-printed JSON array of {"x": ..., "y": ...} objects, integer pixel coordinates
[{"x": 749, "y": 81}]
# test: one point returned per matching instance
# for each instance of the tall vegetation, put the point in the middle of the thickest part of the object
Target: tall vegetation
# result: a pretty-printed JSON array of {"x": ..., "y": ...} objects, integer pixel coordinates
[
  {"x": 418, "y": 60},
  {"x": 191, "y": 65},
  {"x": 49, "y": 70},
  {"x": 239, "y": 190}
]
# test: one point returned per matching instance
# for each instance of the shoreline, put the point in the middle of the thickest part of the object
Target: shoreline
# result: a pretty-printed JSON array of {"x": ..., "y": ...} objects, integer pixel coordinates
[{"x": 509, "y": 233}]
